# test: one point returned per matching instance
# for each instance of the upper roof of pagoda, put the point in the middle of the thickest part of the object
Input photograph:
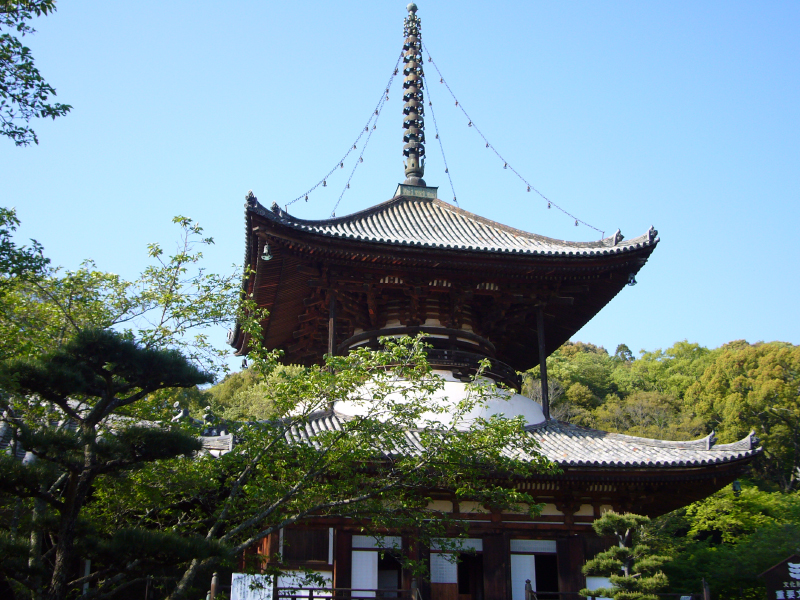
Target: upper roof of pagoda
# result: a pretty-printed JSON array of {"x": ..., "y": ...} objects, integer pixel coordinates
[{"x": 432, "y": 223}]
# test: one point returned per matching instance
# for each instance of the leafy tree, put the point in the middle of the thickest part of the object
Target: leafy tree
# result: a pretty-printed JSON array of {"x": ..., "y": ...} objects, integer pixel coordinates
[
  {"x": 632, "y": 567},
  {"x": 648, "y": 414},
  {"x": 92, "y": 382},
  {"x": 624, "y": 354},
  {"x": 172, "y": 304},
  {"x": 17, "y": 262},
  {"x": 729, "y": 539},
  {"x": 369, "y": 469},
  {"x": 755, "y": 387},
  {"x": 24, "y": 94},
  {"x": 248, "y": 395},
  {"x": 669, "y": 371}
]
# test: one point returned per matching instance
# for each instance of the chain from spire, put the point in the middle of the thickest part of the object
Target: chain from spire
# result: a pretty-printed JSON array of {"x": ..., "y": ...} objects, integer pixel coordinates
[{"x": 414, "y": 107}]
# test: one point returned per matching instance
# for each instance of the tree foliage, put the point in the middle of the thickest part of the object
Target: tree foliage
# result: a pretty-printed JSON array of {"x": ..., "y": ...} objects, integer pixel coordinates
[
  {"x": 113, "y": 483},
  {"x": 729, "y": 539},
  {"x": 24, "y": 93},
  {"x": 755, "y": 388},
  {"x": 369, "y": 469},
  {"x": 66, "y": 410},
  {"x": 172, "y": 304},
  {"x": 632, "y": 566}
]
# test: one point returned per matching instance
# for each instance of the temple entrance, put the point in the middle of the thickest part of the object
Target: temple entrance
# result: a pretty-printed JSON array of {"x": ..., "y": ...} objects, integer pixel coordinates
[
  {"x": 389, "y": 575},
  {"x": 546, "y": 576},
  {"x": 470, "y": 577}
]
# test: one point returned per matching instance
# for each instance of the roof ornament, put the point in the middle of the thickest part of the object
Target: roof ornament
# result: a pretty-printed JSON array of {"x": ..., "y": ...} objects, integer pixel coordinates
[{"x": 414, "y": 107}]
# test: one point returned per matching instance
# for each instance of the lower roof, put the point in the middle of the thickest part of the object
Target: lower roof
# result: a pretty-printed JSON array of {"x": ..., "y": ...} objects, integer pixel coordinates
[{"x": 569, "y": 445}]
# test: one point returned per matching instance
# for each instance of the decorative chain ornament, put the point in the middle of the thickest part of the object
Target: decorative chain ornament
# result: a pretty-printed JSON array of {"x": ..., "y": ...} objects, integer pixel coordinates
[
  {"x": 441, "y": 147},
  {"x": 506, "y": 165},
  {"x": 366, "y": 130}
]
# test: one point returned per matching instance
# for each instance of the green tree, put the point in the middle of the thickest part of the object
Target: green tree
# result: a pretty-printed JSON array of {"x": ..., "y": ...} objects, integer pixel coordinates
[
  {"x": 632, "y": 567},
  {"x": 367, "y": 468},
  {"x": 173, "y": 303},
  {"x": 17, "y": 262},
  {"x": 669, "y": 371},
  {"x": 755, "y": 387},
  {"x": 729, "y": 539},
  {"x": 648, "y": 414},
  {"x": 93, "y": 382},
  {"x": 24, "y": 94}
]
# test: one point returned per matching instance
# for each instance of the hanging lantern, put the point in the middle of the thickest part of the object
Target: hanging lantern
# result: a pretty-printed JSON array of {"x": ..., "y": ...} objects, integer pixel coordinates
[
  {"x": 324, "y": 183},
  {"x": 529, "y": 188},
  {"x": 446, "y": 171},
  {"x": 548, "y": 204},
  {"x": 576, "y": 222},
  {"x": 487, "y": 144}
]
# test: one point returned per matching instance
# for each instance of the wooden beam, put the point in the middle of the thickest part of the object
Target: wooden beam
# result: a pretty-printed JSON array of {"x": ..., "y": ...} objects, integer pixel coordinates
[{"x": 542, "y": 362}]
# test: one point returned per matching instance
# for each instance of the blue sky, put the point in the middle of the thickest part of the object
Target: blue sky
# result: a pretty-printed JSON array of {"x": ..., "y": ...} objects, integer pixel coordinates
[{"x": 681, "y": 115}]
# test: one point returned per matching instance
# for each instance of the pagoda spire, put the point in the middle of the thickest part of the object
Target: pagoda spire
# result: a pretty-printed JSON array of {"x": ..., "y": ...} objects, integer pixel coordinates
[{"x": 414, "y": 107}]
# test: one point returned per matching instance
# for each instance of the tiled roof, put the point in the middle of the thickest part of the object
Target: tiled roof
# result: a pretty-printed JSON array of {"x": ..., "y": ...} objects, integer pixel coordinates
[
  {"x": 565, "y": 444},
  {"x": 572, "y": 446},
  {"x": 432, "y": 223}
]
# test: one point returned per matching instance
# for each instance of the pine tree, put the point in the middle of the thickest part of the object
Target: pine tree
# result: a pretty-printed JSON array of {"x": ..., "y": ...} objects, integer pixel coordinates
[
  {"x": 75, "y": 414},
  {"x": 631, "y": 566}
]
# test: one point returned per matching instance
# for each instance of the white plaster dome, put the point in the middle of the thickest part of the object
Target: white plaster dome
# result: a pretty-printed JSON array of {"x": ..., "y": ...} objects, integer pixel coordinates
[{"x": 496, "y": 402}]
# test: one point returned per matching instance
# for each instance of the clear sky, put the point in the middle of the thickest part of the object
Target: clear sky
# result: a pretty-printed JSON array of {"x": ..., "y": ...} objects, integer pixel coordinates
[{"x": 680, "y": 115}]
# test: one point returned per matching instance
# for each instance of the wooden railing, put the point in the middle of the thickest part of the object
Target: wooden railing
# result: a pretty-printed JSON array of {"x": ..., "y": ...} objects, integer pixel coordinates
[{"x": 308, "y": 593}]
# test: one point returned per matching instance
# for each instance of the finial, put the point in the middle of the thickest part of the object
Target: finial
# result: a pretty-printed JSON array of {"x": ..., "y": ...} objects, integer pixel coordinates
[{"x": 414, "y": 107}]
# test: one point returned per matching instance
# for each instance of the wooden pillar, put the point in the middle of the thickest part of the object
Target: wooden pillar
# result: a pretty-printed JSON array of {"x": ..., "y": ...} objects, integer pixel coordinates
[
  {"x": 424, "y": 555},
  {"x": 342, "y": 558},
  {"x": 332, "y": 324},
  {"x": 570, "y": 556},
  {"x": 542, "y": 361},
  {"x": 496, "y": 567}
]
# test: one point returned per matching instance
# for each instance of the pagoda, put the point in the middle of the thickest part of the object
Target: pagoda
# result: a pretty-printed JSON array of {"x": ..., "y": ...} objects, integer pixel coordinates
[{"x": 415, "y": 264}]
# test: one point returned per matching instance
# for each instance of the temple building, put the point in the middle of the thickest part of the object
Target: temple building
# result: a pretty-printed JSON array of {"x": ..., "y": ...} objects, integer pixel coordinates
[{"x": 479, "y": 289}]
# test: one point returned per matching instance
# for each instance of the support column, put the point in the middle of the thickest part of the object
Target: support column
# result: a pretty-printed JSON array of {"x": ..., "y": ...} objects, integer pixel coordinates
[
  {"x": 342, "y": 558},
  {"x": 496, "y": 567},
  {"x": 571, "y": 558},
  {"x": 542, "y": 361},
  {"x": 332, "y": 324}
]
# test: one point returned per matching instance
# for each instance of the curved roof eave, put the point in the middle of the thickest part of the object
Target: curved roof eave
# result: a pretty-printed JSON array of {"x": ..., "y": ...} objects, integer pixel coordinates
[{"x": 432, "y": 223}]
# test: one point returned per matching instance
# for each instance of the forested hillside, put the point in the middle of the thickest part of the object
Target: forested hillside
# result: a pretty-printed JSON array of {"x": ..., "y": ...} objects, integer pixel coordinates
[{"x": 685, "y": 392}]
